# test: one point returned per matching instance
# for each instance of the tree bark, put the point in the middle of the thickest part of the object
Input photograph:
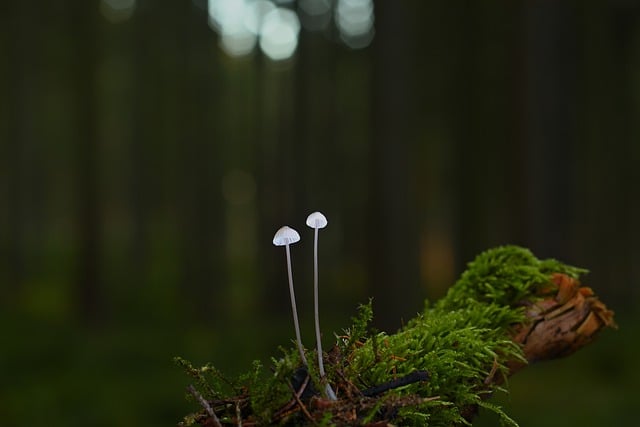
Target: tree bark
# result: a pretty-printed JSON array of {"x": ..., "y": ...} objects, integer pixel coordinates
[{"x": 561, "y": 322}]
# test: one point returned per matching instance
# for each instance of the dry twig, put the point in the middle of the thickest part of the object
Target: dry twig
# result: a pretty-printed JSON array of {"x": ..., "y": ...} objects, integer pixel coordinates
[{"x": 207, "y": 407}]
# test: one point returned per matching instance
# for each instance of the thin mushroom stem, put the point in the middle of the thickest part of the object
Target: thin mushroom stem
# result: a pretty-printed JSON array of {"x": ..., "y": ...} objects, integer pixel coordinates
[
  {"x": 316, "y": 309},
  {"x": 296, "y": 324},
  {"x": 328, "y": 390}
]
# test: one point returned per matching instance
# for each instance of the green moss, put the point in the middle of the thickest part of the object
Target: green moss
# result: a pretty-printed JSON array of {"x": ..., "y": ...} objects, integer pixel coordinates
[
  {"x": 505, "y": 275},
  {"x": 460, "y": 349},
  {"x": 462, "y": 341},
  {"x": 274, "y": 391}
]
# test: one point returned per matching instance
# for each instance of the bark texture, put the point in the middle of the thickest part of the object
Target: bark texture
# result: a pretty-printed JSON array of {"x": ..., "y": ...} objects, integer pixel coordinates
[{"x": 562, "y": 322}]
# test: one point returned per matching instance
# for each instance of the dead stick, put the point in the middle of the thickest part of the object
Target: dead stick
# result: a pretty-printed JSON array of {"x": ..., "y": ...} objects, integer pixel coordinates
[
  {"x": 238, "y": 414},
  {"x": 292, "y": 402},
  {"x": 413, "y": 377},
  {"x": 207, "y": 407},
  {"x": 302, "y": 407}
]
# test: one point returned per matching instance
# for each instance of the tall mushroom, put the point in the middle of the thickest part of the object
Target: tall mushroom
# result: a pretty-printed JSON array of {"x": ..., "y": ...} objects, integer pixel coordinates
[
  {"x": 317, "y": 221},
  {"x": 286, "y": 236}
]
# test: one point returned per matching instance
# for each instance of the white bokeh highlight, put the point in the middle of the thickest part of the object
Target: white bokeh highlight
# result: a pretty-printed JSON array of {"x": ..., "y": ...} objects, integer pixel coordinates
[
  {"x": 279, "y": 34},
  {"x": 274, "y": 25}
]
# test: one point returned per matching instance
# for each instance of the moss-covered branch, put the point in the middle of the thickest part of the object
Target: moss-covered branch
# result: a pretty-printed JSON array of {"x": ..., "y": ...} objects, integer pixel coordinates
[{"x": 508, "y": 309}]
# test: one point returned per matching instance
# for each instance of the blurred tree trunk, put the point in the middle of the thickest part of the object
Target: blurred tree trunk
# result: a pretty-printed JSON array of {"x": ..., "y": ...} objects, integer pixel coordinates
[
  {"x": 489, "y": 163},
  {"x": 200, "y": 143},
  {"x": 268, "y": 203},
  {"x": 624, "y": 112},
  {"x": 84, "y": 33},
  {"x": 20, "y": 49},
  {"x": 145, "y": 143},
  {"x": 550, "y": 106},
  {"x": 607, "y": 196},
  {"x": 392, "y": 235},
  {"x": 279, "y": 183}
]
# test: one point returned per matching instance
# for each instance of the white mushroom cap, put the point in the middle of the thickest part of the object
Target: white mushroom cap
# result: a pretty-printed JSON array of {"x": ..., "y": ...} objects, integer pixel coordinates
[
  {"x": 286, "y": 236},
  {"x": 316, "y": 220}
]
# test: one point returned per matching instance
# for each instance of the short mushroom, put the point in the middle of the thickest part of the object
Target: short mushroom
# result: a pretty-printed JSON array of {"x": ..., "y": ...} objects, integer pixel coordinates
[
  {"x": 286, "y": 236},
  {"x": 317, "y": 221}
]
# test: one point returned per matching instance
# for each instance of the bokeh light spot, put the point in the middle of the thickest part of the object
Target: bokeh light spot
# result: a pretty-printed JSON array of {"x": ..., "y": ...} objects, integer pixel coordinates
[
  {"x": 225, "y": 13},
  {"x": 315, "y": 14},
  {"x": 228, "y": 18},
  {"x": 354, "y": 19},
  {"x": 238, "y": 43},
  {"x": 256, "y": 12},
  {"x": 116, "y": 11},
  {"x": 274, "y": 25},
  {"x": 279, "y": 34}
]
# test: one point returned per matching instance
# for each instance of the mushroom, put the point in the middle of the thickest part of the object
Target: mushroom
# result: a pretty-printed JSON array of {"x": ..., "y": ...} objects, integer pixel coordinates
[
  {"x": 317, "y": 221},
  {"x": 286, "y": 236}
]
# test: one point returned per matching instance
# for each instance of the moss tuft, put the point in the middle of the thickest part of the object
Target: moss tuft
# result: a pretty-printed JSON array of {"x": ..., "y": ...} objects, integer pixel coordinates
[{"x": 506, "y": 275}]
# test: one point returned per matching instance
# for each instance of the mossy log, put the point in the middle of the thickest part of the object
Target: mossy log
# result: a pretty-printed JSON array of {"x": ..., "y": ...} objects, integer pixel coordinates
[
  {"x": 507, "y": 310},
  {"x": 566, "y": 318}
]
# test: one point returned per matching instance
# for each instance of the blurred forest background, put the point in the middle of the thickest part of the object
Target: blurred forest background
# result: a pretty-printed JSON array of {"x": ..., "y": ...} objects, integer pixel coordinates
[{"x": 150, "y": 150}]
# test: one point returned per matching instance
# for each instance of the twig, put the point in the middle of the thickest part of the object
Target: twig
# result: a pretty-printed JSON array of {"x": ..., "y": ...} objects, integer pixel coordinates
[
  {"x": 207, "y": 407},
  {"x": 349, "y": 387},
  {"x": 493, "y": 371},
  {"x": 238, "y": 414},
  {"x": 302, "y": 407},
  {"x": 413, "y": 377},
  {"x": 292, "y": 402}
]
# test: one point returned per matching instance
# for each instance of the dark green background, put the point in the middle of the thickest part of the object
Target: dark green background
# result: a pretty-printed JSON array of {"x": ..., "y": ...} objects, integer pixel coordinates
[{"x": 143, "y": 174}]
